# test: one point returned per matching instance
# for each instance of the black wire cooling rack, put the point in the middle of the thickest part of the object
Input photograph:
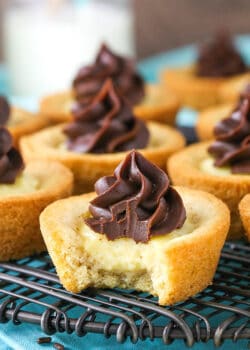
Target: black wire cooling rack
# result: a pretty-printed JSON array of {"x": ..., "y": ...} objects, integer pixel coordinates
[{"x": 30, "y": 292}]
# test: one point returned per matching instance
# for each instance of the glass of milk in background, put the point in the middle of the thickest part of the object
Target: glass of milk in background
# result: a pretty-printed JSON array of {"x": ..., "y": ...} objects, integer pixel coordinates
[{"x": 47, "y": 41}]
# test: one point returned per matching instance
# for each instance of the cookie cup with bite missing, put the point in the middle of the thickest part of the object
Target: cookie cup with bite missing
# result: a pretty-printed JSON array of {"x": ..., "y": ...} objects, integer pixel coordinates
[{"x": 89, "y": 246}]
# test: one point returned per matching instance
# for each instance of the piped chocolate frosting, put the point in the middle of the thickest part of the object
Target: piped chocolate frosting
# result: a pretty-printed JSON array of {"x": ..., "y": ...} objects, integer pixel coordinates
[
  {"x": 232, "y": 145},
  {"x": 11, "y": 162},
  {"x": 219, "y": 58},
  {"x": 105, "y": 125},
  {"x": 4, "y": 110},
  {"x": 122, "y": 71},
  {"x": 136, "y": 202}
]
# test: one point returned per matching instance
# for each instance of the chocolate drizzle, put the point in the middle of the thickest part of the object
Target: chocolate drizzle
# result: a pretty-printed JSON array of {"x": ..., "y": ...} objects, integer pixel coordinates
[
  {"x": 232, "y": 145},
  {"x": 4, "y": 110},
  {"x": 105, "y": 125},
  {"x": 11, "y": 162},
  {"x": 136, "y": 202},
  {"x": 219, "y": 58},
  {"x": 90, "y": 79}
]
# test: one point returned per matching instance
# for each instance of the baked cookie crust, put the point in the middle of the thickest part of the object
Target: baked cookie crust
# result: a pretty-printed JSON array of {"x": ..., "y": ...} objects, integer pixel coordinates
[
  {"x": 89, "y": 167},
  {"x": 231, "y": 89},
  {"x": 159, "y": 105},
  {"x": 19, "y": 225},
  {"x": 196, "y": 92},
  {"x": 178, "y": 269},
  {"x": 56, "y": 107},
  {"x": 244, "y": 208},
  {"x": 209, "y": 117},
  {"x": 184, "y": 169}
]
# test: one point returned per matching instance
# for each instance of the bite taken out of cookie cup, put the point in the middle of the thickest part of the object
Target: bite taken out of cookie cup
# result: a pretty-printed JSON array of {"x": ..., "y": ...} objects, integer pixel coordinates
[
  {"x": 173, "y": 267},
  {"x": 41, "y": 183},
  {"x": 193, "y": 167},
  {"x": 244, "y": 208},
  {"x": 50, "y": 144},
  {"x": 159, "y": 104}
]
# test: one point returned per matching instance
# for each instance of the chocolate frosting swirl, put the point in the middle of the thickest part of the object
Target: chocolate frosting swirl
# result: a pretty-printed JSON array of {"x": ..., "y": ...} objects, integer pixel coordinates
[
  {"x": 219, "y": 58},
  {"x": 105, "y": 125},
  {"x": 90, "y": 79},
  {"x": 136, "y": 202},
  {"x": 11, "y": 162},
  {"x": 232, "y": 145},
  {"x": 4, "y": 110}
]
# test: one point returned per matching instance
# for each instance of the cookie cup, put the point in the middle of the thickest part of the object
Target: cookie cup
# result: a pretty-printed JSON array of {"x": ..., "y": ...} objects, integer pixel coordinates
[
  {"x": 173, "y": 266},
  {"x": 158, "y": 105},
  {"x": 233, "y": 87},
  {"x": 22, "y": 123},
  {"x": 193, "y": 91},
  {"x": 19, "y": 225},
  {"x": 87, "y": 168},
  {"x": 57, "y": 107},
  {"x": 184, "y": 169},
  {"x": 244, "y": 208},
  {"x": 209, "y": 117}
]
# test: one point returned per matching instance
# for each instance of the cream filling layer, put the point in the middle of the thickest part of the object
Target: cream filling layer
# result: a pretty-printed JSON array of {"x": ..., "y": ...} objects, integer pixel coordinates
[
  {"x": 207, "y": 166},
  {"x": 124, "y": 254},
  {"x": 24, "y": 184}
]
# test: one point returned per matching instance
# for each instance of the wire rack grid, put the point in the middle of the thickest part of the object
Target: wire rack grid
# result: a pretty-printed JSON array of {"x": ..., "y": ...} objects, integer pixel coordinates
[{"x": 30, "y": 292}]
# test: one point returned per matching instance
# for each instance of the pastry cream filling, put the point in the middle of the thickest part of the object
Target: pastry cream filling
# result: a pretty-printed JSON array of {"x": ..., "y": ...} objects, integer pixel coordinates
[
  {"x": 124, "y": 254},
  {"x": 207, "y": 166},
  {"x": 25, "y": 183}
]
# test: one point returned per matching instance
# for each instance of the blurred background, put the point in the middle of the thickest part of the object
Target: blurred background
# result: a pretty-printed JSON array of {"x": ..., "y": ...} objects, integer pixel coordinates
[{"x": 44, "y": 42}]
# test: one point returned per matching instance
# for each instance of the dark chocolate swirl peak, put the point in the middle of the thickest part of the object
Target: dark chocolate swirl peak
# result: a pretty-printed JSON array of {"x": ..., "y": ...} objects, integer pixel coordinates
[
  {"x": 4, "y": 110},
  {"x": 105, "y": 125},
  {"x": 136, "y": 202},
  {"x": 232, "y": 145},
  {"x": 219, "y": 58},
  {"x": 11, "y": 162},
  {"x": 90, "y": 79}
]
